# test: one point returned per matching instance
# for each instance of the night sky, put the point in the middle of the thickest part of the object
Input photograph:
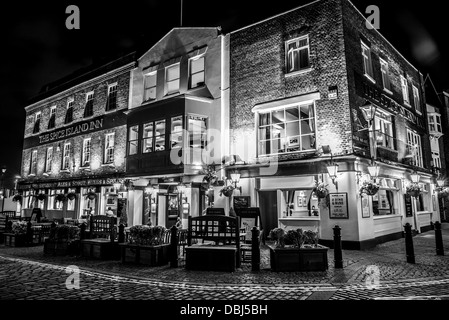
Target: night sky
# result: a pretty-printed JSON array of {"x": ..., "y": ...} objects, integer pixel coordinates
[{"x": 37, "y": 48}]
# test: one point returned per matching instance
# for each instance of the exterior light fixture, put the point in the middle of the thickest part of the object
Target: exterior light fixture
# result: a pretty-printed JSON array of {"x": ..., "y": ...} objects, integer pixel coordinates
[
  {"x": 149, "y": 189},
  {"x": 415, "y": 177},
  {"x": 235, "y": 179},
  {"x": 373, "y": 170},
  {"x": 117, "y": 186},
  {"x": 181, "y": 187}
]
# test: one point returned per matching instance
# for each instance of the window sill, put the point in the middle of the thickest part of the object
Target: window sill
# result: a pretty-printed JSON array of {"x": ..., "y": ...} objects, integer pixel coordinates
[
  {"x": 65, "y": 171},
  {"x": 32, "y": 175},
  {"x": 87, "y": 168},
  {"x": 297, "y": 73},
  {"x": 88, "y": 117},
  {"x": 369, "y": 78},
  {"x": 387, "y": 216},
  {"x": 407, "y": 104},
  {"x": 108, "y": 165},
  {"x": 110, "y": 111}
]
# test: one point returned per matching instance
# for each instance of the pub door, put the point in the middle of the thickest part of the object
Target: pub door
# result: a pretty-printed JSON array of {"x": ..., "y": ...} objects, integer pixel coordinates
[
  {"x": 168, "y": 209},
  {"x": 268, "y": 211}
]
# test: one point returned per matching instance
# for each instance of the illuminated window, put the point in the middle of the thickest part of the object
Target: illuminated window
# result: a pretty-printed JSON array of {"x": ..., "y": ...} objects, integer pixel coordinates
[
  {"x": 176, "y": 132},
  {"x": 66, "y": 157},
  {"x": 150, "y": 86},
  {"x": 435, "y": 123},
  {"x": 196, "y": 68},
  {"x": 287, "y": 130},
  {"x": 297, "y": 54},
  {"x": 385, "y": 74},
  {"x": 49, "y": 159},
  {"x": 416, "y": 99},
  {"x": 33, "y": 163},
  {"x": 172, "y": 75},
  {"x": 414, "y": 148},
  {"x": 405, "y": 94},
  {"x": 86, "y": 152},
  {"x": 384, "y": 130}
]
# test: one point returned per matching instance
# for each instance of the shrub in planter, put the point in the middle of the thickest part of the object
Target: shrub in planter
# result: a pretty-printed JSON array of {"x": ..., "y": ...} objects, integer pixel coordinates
[
  {"x": 19, "y": 228},
  {"x": 63, "y": 239},
  {"x": 146, "y": 235}
]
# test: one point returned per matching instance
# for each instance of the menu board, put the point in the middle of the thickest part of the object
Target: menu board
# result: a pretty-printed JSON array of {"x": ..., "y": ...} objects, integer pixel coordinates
[
  {"x": 338, "y": 206},
  {"x": 408, "y": 205}
]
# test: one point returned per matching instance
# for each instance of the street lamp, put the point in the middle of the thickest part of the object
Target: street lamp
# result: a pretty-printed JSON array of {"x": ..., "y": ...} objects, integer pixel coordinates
[
  {"x": 415, "y": 177},
  {"x": 3, "y": 187}
]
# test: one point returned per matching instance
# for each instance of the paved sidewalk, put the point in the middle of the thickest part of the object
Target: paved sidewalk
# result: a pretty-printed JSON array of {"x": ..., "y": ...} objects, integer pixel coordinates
[{"x": 29, "y": 268}]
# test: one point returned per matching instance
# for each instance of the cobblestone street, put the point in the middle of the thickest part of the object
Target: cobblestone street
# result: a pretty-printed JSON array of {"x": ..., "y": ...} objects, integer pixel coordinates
[{"x": 26, "y": 273}]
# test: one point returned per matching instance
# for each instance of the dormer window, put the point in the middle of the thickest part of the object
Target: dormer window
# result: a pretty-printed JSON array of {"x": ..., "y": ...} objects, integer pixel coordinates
[
  {"x": 196, "y": 71},
  {"x": 172, "y": 75}
]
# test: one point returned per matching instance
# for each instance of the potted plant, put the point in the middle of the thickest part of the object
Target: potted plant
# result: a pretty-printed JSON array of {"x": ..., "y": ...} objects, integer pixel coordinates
[
  {"x": 227, "y": 191},
  {"x": 369, "y": 188},
  {"x": 414, "y": 190},
  {"x": 320, "y": 190},
  {"x": 64, "y": 239},
  {"x": 297, "y": 250},
  {"x": 146, "y": 245},
  {"x": 17, "y": 198},
  {"x": 18, "y": 235}
]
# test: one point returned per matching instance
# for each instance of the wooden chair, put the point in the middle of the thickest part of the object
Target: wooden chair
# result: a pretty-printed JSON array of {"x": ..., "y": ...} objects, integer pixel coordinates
[
  {"x": 9, "y": 214},
  {"x": 102, "y": 242}
]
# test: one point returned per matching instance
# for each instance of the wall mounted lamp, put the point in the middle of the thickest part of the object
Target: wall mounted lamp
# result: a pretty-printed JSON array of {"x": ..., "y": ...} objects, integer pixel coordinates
[
  {"x": 415, "y": 177},
  {"x": 235, "y": 179},
  {"x": 373, "y": 170}
]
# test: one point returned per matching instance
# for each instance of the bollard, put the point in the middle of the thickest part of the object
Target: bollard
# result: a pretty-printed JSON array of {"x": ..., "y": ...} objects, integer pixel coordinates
[
  {"x": 338, "y": 254},
  {"x": 29, "y": 234},
  {"x": 82, "y": 231},
  {"x": 255, "y": 249},
  {"x": 439, "y": 239},
  {"x": 121, "y": 233},
  {"x": 173, "y": 249},
  {"x": 432, "y": 225},
  {"x": 409, "y": 251}
]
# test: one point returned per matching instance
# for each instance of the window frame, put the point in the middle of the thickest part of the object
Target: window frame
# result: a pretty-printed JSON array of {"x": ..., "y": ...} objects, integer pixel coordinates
[
  {"x": 298, "y": 49},
  {"x": 174, "y": 65},
  {"x": 418, "y": 156},
  {"x": 381, "y": 119},
  {"x": 90, "y": 106},
  {"x": 52, "y": 118},
  {"x": 37, "y": 122},
  {"x": 65, "y": 157},
  {"x": 136, "y": 141},
  {"x": 109, "y": 97},
  {"x": 172, "y": 132},
  {"x": 48, "y": 159},
  {"x": 33, "y": 163},
  {"x": 203, "y": 71},
  {"x": 385, "y": 70},
  {"x": 285, "y": 107},
  {"x": 69, "y": 108},
  {"x": 86, "y": 153},
  {"x": 405, "y": 91},
  {"x": 107, "y": 155},
  {"x": 436, "y": 159},
  {"x": 369, "y": 58},
  {"x": 416, "y": 99},
  {"x": 145, "y": 89}
]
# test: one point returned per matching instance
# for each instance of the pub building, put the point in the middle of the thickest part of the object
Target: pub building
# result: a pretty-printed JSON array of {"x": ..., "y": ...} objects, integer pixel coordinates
[
  {"x": 339, "y": 105},
  {"x": 179, "y": 93},
  {"x": 74, "y": 144}
]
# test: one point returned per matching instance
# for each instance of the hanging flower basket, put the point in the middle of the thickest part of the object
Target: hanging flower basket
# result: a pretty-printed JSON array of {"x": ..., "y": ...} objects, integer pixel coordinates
[
  {"x": 227, "y": 191},
  {"x": 369, "y": 188},
  {"x": 17, "y": 198},
  {"x": 41, "y": 196},
  {"x": 320, "y": 190},
  {"x": 60, "y": 197},
  {"x": 91, "y": 195},
  {"x": 71, "y": 196},
  {"x": 414, "y": 190}
]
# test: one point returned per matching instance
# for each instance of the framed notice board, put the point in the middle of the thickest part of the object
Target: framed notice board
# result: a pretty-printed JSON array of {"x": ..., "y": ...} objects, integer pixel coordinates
[
  {"x": 408, "y": 205},
  {"x": 338, "y": 208},
  {"x": 241, "y": 201}
]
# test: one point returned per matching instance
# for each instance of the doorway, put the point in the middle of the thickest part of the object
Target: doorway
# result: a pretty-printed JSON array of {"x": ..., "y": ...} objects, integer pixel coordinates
[
  {"x": 168, "y": 209},
  {"x": 268, "y": 211}
]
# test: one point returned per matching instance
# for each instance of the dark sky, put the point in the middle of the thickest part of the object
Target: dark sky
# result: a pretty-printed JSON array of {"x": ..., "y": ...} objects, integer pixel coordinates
[{"x": 37, "y": 48}]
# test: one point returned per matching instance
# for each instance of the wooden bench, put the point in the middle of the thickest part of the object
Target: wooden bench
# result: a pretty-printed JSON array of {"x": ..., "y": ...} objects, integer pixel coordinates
[
  {"x": 9, "y": 214},
  {"x": 220, "y": 248},
  {"x": 101, "y": 242}
]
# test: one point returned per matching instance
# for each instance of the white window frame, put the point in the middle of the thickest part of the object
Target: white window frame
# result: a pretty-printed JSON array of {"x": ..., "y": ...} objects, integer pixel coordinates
[
  {"x": 367, "y": 62},
  {"x": 87, "y": 147},
  {"x": 89, "y": 94},
  {"x": 37, "y": 118},
  {"x": 436, "y": 160},
  {"x": 52, "y": 113},
  {"x": 109, "y": 149},
  {"x": 167, "y": 81},
  {"x": 284, "y": 107},
  {"x": 405, "y": 92},
  {"x": 384, "y": 128},
  {"x": 33, "y": 163},
  {"x": 66, "y": 157},
  {"x": 70, "y": 104},
  {"x": 48, "y": 159},
  {"x": 414, "y": 143},
  {"x": 110, "y": 86},
  {"x": 385, "y": 70},
  {"x": 416, "y": 99},
  {"x": 145, "y": 89},
  {"x": 289, "y": 55},
  {"x": 203, "y": 71},
  {"x": 135, "y": 141}
]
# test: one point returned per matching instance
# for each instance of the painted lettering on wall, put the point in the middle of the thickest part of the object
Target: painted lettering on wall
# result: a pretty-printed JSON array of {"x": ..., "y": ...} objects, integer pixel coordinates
[{"x": 71, "y": 131}]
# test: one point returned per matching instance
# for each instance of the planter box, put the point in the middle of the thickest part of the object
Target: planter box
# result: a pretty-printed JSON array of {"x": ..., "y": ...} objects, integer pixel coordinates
[
  {"x": 211, "y": 258},
  {"x": 148, "y": 255},
  {"x": 298, "y": 260},
  {"x": 100, "y": 249},
  {"x": 61, "y": 247},
  {"x": 13, "y": 240}
]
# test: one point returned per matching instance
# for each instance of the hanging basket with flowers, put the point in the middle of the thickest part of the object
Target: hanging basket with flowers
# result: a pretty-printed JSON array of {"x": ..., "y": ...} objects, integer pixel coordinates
[
  {"x": 414, "y": 190},
  {"x": 91, "y": 195},
  {"x": 60, "y": 197},
  {"x": 71, "y": 196},
  {"x": 227, "y": 191},
  {"x": 369, "y": 188},
  {"x": 17, "y": 198},
  {"x": 41, "y": 196},
  {"x": 320, "y": 190}
]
